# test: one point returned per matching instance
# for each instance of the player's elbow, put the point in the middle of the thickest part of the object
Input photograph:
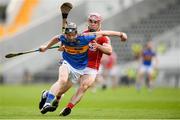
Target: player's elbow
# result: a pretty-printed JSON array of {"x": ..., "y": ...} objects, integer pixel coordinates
[{"x": 109, "y": 52}]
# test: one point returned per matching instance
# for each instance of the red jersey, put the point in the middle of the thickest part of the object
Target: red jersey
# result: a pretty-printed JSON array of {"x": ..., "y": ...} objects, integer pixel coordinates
[{"x": 95, "y": 55}]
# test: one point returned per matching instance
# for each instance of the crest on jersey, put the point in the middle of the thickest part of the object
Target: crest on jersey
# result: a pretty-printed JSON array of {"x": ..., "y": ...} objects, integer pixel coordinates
[{"x": 92, "y": 47}]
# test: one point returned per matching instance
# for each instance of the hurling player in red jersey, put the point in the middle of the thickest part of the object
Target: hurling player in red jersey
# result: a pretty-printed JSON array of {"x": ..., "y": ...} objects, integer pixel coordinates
[
  {"x": 97, "y": 48},
  {"x": 100, "y": 46}
]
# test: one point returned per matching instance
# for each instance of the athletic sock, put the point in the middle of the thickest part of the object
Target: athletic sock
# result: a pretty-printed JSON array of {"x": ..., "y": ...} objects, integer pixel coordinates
[
  {"x": 50, "y": 97},
  {"x": 45, "y": 94},
  {"x": 70, "y": 105}
]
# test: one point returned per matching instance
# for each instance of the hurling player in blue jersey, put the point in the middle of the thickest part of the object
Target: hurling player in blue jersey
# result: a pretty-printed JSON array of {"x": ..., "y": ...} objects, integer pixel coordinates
[
  {"x": 148, "y": 63},
  {"x": 75, "y": 57}
]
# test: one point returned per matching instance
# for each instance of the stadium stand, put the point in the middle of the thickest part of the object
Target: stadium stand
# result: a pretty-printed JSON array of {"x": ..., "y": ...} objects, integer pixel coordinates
[
  {"x": 19, "y": 17},
  {"x": 149, "y": 27}
]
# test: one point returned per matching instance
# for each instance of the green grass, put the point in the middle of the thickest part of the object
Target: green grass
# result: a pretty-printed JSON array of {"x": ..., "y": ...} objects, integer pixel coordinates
[{"x": 21, "y": 102}]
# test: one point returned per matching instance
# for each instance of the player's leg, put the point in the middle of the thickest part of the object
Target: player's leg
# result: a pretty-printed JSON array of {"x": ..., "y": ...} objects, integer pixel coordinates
[
  {"x": 99, "y": 78},
  {"x": 150, "y": 77},
  {"x": 57, "y": 89},
  {"x": 140, "y": 76},
  {"x": 106, "y": 76},
  {"x": 85, "y": 82},
  {"x": 45, "y": 93},
  {"x": 114, "y": 76},
  {"x": 98, "y": 83}
]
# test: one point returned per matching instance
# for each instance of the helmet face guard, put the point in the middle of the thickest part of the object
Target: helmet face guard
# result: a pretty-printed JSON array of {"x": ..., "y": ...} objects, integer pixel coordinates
[{"x": 71, "y": 28}]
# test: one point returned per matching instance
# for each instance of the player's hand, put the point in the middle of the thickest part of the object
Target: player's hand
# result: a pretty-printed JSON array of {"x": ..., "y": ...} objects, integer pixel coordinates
[
  {"x": 123, "y": 37},
  {"x": 43, "y": 48},
  {"x": 61, "y": 48},
  {"x": 94, "y": 45}
]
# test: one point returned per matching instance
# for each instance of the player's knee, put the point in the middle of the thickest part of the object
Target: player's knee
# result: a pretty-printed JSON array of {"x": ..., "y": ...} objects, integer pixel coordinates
[{"x": 84, "y": 87}]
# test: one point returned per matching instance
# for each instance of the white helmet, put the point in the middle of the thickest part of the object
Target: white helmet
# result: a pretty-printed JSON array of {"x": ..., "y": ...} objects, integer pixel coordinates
[
  {"x": 71, "y": 28},
  {"x": 95, "y": 16}
]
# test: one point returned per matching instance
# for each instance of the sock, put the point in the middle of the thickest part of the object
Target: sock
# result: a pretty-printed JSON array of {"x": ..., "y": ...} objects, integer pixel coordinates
[
  {"x": 45, "y": 94},
  {"x": 50, "y": 97},
  {"x": 70, "y": 105}
]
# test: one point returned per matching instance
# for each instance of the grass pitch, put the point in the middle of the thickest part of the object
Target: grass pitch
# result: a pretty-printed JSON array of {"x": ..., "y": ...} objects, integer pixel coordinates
[{"x": 21, "y": 102}]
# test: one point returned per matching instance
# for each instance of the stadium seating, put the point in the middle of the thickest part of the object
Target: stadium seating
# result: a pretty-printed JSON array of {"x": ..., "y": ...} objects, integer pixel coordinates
[
  {"x": 22, "y": 18},
  {"x": 162, "y": 26},
  {"x": 147, "y": 28}
]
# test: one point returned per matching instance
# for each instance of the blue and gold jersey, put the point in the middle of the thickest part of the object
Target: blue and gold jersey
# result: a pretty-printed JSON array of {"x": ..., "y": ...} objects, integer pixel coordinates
[
  {"x": 147, "y": 56},
  {"x": 75, "y": 53}
]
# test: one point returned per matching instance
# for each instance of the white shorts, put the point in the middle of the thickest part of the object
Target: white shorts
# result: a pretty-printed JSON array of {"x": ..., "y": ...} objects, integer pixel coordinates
[
  {"x": 100, "y": 71},
  {"x": 74, "y": 74},
  {"x": 146, "y": 69},
  {"x": 90, "y": 71}
]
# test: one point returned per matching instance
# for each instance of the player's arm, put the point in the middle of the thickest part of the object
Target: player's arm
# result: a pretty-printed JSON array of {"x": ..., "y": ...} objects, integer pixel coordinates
[
  {"x": 122, "y": 35},
  {"x": 52, "y": 42},
  {"x": 106, "y": 48},
  {"x": 61, "y": 47}
]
